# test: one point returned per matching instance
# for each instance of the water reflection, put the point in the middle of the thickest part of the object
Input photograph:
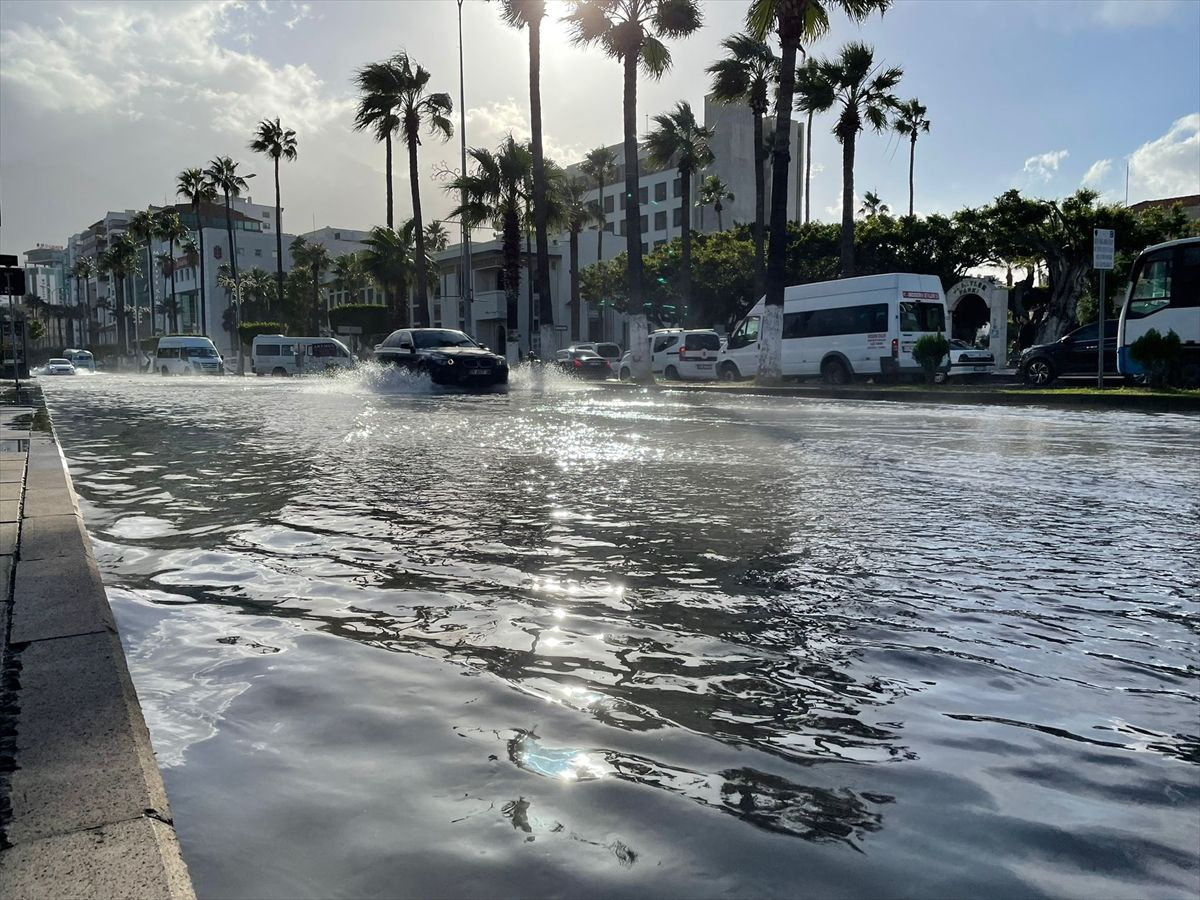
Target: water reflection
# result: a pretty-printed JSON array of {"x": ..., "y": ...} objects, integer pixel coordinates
[{"x": 748, "y": 619}]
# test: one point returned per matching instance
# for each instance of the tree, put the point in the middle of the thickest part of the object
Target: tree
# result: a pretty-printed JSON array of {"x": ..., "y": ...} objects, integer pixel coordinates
[
  {"x": 795, "y": 22},
  {"x": 83, "y": 269},
  {"x": 171, "y": 230},
  {"x": 223, "y": 176},
  {"x": 529, "y": 14},
  {"x": 277, "y": 142},
  {"x": 746, "y": 75},
  {"x": 861, "y": 92},
  {"x": 378, "y": 83},
  {"x": 714, "y": 192},
  {"x": 120, "y": 260},
  {"x": 813, "y": 95},
  {"x": 418, "y": 108},
  {"x": 258, "y": 289},
  {"x": 911, "y": 120},
  {"x": 193, "y": 186},
  {"x": 600, "y": 165},
  {"x": 577, "y": 213},
  {"x": 314, "y": 261},
  {"x": 437, "y": 238},
  {"x": 872, "y": 206},
  {"x": 191, "y": 252},
  {"x": 388, "y": 259},
  {"x": 349, "y": 276},
  {"x": 495, "y": 192},
  {"x": 678, "y": 139},
  {"x": 632, "y": 32},
  {"x": 142, "y": 228}
]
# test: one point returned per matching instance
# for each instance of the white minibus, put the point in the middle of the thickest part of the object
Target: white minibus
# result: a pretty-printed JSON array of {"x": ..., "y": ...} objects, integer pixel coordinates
[
  {"x": 82, "y": 360},
  {"x": 187, "y": 354},
  {"x": 277, "y": 354},
  {"x": 1164, "y": 294},
  {"x": 840, "y": 330}
]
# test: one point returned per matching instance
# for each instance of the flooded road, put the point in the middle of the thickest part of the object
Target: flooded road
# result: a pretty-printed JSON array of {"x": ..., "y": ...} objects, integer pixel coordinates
[{"x": 595, "y": 642}]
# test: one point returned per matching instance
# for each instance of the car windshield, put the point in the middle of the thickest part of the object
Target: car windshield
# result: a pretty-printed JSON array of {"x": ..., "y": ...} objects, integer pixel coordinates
[
  {"x": 441, "y": 337},
  {"x": 59, "y": 362},
  {"x": 199, "y": 352}
]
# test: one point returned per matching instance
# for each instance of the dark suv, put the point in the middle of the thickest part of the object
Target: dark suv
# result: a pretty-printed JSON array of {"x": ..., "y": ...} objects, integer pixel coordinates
[
  {"x": 1071, "y": 354},
  {"x": 446, "y": 355}
]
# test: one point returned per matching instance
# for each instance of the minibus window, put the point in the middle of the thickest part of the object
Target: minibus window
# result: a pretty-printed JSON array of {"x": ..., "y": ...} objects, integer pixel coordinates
[{"x": 922, "y": 316}]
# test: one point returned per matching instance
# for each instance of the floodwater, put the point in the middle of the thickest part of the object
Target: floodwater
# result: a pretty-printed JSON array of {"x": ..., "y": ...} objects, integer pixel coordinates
[{"x": 574, "y": 641}]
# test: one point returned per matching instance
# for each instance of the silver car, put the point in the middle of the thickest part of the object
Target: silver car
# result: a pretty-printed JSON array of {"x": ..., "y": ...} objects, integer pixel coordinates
[{"x": 60, "y": 367}]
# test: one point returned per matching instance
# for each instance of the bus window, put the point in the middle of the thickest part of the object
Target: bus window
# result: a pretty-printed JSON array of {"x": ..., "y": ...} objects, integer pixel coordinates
[
  {"x": 1152, "y": 291},
  {"x": 922, "y": 317},
  {"x": 745, "y": 335}
]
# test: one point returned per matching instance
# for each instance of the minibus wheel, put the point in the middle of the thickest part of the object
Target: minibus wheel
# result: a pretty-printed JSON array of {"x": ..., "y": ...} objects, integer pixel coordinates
[
  {"x": 164, "y": 372},
  {"x": 834, "y": 372},
  {"x": 729, "y": 372}
]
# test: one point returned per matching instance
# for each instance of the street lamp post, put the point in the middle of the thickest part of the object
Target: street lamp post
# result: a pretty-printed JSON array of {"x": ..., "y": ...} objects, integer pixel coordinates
[{"x": 466, "y": 287}]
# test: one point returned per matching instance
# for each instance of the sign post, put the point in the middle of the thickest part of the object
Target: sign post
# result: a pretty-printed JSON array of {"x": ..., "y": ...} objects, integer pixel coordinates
[{"x": 1104, "y": 241}]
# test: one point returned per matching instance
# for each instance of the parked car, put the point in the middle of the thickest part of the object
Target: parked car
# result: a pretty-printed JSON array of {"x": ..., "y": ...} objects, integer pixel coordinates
[
  {"x": 965, "y": 362},
  {"x": 607, "y": 349},
  {"x": 446, "y": 355},
  {"x": 582, "y": 364},
  {"x": 1072, "y": 354},
  {"x": 59, "y": 367},
  {"x": 678, "y": 354}
]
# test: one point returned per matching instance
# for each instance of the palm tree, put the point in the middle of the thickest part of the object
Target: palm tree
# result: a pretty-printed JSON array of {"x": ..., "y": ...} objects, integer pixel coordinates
[
  {"x": 192, "y": 253},
  {"x": 193, "y": 186},
  {"x": 746, "y": 75},
  {"x": 171, "y": 230},
  {"x": 529, "y": 14},
  {"x": 576, "y": 214},
  {"x": 222, "y": 175},
  {"x": 377, "y": 112},
  {"x": 600, "y": 165},
  {"x": 277, "y": 142},
  {"x": 349, "y": 274},
  {"x": 257, "y": 289},
  {"x": 680, "y": 140},
  {"x": 314, "y": 260},
  {"x": 714, "y": 192},
  {"x": 861, "y": 91},
  {"x": 495, "y": 192},
  {"x": 911, "y": 120},
  {"x": 143, "y": 228},
  {"x": 632, "y": 31},
  {"x": 82, "y": 271},
  {"x": 795, "y": 22},
  {"x": 872, "y": 206},
  {"x": 120, "y": 260},
  {"x": 813, "y": 95},
  {"x": 437, "y": 238},
  {"x": 388, "y": 259},
  {"x": 418, "y": 109}
]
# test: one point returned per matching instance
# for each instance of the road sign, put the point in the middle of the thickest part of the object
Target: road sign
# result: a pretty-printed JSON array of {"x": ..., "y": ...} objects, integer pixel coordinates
[
  {"x": 349, "y": 329},
  {"x": 1104, "y": 245},
  {"x": 12, "y": 281},
  {"x": 7, "y": 259},
  {"x": 560, "y": 327}
]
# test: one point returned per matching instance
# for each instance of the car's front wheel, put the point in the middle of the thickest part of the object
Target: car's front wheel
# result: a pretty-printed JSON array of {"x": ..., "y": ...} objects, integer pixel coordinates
[
  {"x": 1039, "y": 372},
  {"x": 626, "y": 374}
]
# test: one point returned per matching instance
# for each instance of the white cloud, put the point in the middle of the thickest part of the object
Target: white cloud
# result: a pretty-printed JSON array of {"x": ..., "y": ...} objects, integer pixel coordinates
[
  {"x": 164, "y": 64},
  {"x": 488, "y": 125},
  {"x": 1168, "y": 166},
  {"x": 1135, "y": 13},
  {"x": 1044, "y": 166},
  {"x": 1073, "y": 15},
  {"x": 1097, "y": 173}
]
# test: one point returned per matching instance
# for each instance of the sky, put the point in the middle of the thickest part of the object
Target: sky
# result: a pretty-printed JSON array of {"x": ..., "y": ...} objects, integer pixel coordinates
[{"x": 103, "y": 103}]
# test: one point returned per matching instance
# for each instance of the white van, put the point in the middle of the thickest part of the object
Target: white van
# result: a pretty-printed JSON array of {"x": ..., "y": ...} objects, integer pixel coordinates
[
  {"x": 679, "y": 354},
  {"x": 840, "y": 330},
  {"x": 187, "y": 354},
  {"x": 82, "y": 360},
  {"x": 277, "y": 354}
]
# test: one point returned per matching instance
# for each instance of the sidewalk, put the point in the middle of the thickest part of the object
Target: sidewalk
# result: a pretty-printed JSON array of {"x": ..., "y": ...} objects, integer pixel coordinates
[{"x": 83, "y": 812}]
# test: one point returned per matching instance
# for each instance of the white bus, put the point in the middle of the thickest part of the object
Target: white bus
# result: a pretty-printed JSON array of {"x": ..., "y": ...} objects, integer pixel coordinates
[
  {"x": 277, "y": 354},
  {"x": 187, "y": 354},
  {"x": 1164, "y": 293},
  {"x": 841, "y": 330}
]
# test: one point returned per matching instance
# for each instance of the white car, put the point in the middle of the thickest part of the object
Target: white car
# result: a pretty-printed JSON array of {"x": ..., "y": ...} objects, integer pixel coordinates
[
  {"x": 59, "y": 367},
  {"x": 677, "y": 354},
  {"x": 965, "y": 362}
]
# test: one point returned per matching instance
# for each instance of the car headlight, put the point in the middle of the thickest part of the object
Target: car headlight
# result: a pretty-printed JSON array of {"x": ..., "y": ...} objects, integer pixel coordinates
[{"x": 501, "y": 362}]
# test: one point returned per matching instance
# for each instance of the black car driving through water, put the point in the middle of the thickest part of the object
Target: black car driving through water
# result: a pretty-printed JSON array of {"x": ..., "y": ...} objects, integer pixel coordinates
[
  {"x": 446, "y": 355},
  {"x": 1073, "y": 354}
]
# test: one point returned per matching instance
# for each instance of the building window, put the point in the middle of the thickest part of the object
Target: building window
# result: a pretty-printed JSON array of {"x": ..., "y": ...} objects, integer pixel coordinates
[
  {"x": 622, "y": 201},
  {"x": 643, "y": 195},
  {"x": 676, "y": 187},
  {"x": 660, "y": 191},
  {"x": 645, "y": 250},
  {"x": 645, "y": 224},
  {"x": 621, "y": 229},
  {"x": 660, "y": 221},
  {"x": 266, "y": 214},
  {"x": 258, "y": 251},
  {"x": 677, "y": 216},
  {"x": 620, "y": 174},
  {"x": 608, "y": 226},
  {"x": 608, "y": 203},
  {"x": 337, "y": 235}
]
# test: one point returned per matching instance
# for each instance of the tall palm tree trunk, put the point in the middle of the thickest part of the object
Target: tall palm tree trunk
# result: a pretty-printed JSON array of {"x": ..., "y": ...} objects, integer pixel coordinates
[
  {"x": 638, "y": 329},
  {"x": 150, "y": 283},
  {"x": 174, "y": 293},
  {"x": 576, "y": 302},
  {"x": 278, "y": 240},
  {"x": 847, "y": 265},
  {"x": 808, "y": 168},
  {"x": 912, "y": 158},
  {"x": 685, "y": 236},
  {"x": 387, "y": 143},
  {"x": 510, "y": 256},
  {"x": 533, "y": 311},
  {"x": 720, "y": 220},
  {"x": 540, "y": 216},
  {"x": 760, "y": 211},
  {"x": 137, "y": 325},
  {"x": 600, "y": 229},
  {"x": 203, "y": 302},
  {"x": 237, "y": 287},
  {"x": 419, "y": 228},
  {"x": 770, "y": 341},
  {"x": 122, "y": 322}
]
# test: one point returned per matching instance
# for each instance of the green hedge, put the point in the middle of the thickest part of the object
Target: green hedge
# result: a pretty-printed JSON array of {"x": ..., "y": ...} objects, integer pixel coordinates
[{"x": 250, "y": 330}]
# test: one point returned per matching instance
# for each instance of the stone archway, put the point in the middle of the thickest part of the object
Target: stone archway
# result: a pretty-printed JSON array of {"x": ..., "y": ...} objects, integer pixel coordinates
[{"x": 974, "y": 302}]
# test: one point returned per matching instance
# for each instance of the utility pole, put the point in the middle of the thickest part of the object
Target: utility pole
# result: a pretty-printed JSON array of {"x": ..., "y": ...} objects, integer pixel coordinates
[{"x": 466, "y": 286}]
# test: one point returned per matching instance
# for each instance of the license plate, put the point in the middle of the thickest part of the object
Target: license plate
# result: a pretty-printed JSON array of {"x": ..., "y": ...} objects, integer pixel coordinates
[
  {"x": 704, "y": 365},
  {"x": 478, "y": 372},
  {"x": 982, "y": 368}
]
